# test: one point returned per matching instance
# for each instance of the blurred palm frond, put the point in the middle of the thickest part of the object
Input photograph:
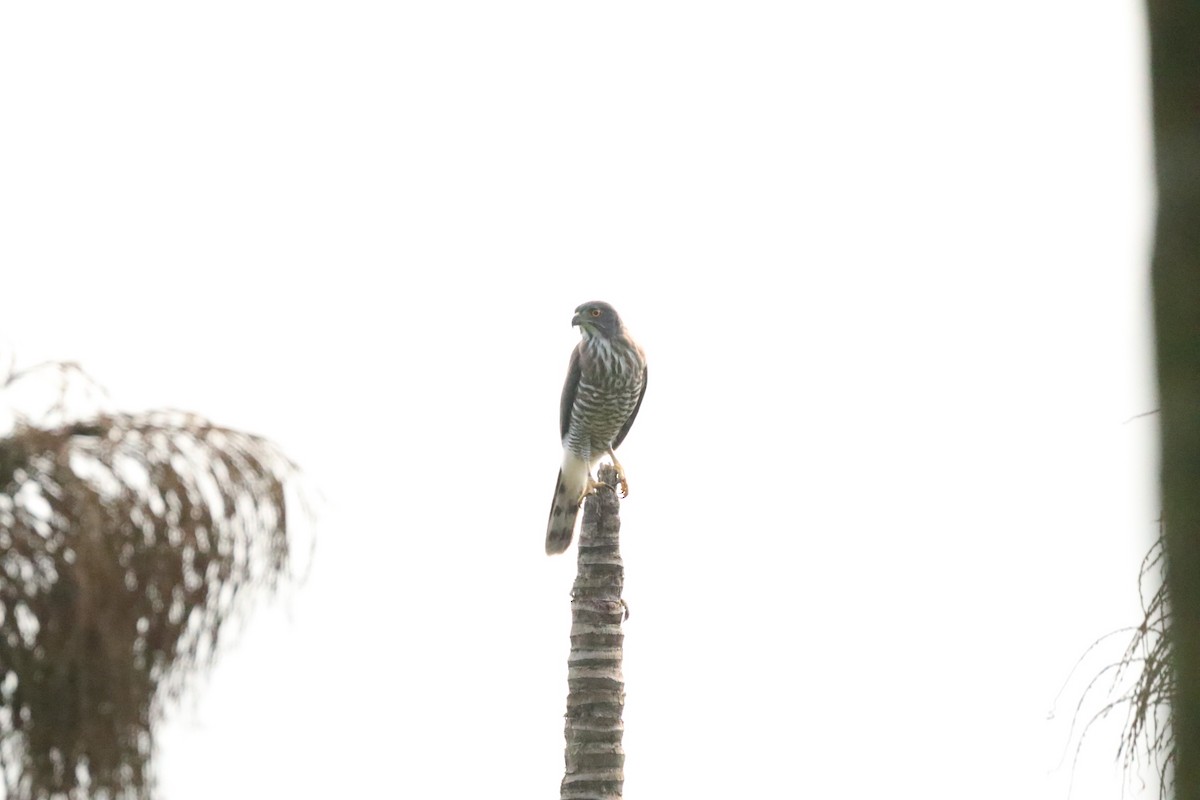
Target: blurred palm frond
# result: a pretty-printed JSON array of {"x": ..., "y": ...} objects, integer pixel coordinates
[{"x": 127, "y": 543}]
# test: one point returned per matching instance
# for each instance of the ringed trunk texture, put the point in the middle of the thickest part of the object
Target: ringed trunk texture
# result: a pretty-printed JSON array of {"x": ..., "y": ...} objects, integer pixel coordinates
[
  {"x": 1175, "y": 79},
  {"x": 595, "y": 761}
]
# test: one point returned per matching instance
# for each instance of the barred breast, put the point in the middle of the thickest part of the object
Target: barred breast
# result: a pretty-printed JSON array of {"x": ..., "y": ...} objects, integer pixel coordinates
[{"x": 610, "y": 383}]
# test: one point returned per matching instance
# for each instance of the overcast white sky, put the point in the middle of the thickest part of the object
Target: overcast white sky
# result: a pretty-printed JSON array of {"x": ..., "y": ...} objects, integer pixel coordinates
[{"x": 888, "y": 262}]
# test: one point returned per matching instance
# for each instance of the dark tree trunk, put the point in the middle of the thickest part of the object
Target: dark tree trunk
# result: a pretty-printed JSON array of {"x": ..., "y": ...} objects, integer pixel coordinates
[
  {"x": 596, "y": 689},
  {"x": 1175, "y": 74}
]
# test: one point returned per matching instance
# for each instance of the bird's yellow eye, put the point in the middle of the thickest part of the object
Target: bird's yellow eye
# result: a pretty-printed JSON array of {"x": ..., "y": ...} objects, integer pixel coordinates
[{"x": 596, "y": 312}]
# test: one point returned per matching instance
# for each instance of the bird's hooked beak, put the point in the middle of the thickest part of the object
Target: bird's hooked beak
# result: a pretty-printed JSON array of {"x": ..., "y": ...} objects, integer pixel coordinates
[{"x": 586, "y": 328}]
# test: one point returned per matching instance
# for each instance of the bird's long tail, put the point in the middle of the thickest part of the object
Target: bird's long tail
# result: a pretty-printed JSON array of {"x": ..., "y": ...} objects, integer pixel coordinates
[{"x": 572, "y": 482}]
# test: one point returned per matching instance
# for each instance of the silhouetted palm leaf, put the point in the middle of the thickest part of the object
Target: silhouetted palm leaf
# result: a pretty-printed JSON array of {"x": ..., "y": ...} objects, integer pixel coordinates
[
  {"x": 1140, "y": 682},
  {"x": 127, "y": 542}
]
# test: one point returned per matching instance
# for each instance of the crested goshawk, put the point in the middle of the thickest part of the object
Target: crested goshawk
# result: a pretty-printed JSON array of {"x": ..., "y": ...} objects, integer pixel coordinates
[{"x": 605, "y": 384}]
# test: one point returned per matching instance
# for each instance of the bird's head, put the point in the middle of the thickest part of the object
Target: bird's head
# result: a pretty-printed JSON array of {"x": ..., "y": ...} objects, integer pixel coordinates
[{"x": 597, "y": 318}]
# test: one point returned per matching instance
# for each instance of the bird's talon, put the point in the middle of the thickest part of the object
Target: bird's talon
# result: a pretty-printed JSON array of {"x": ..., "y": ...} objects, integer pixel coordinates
[{"x": 592, "y": 487}]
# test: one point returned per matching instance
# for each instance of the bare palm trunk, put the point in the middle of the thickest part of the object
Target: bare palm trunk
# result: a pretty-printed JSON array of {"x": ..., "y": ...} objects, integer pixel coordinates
[
  {"x": 596, "y": 695},
  {"x": 1175, "y": 74}
]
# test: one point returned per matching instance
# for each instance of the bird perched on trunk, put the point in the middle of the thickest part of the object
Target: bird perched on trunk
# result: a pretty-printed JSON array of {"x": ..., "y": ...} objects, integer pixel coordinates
[{"x": 605, "y": 384}]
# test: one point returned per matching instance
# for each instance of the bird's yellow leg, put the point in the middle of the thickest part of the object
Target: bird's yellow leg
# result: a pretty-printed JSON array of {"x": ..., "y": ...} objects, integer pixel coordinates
[
  {"x": 621, "y": 482},
  {"x": 592, "y": 486}
]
